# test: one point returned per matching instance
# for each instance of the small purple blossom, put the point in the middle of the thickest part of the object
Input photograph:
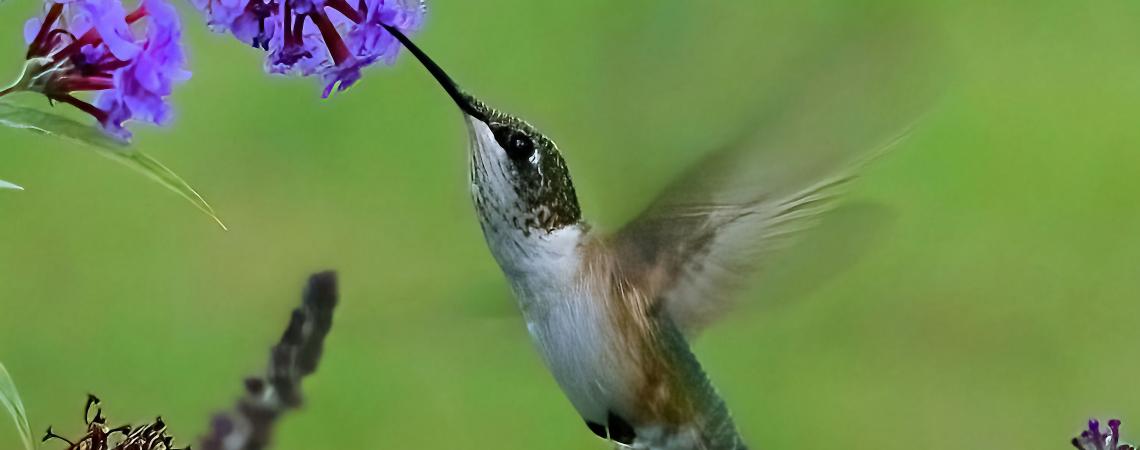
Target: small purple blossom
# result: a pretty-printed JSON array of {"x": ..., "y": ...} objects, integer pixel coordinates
[
  {"x": 96, "y": 46},
  {"x": 1094, "y": 439},
  {"x": 332, "y": 39},
  {"x": 141, "y": 88}
]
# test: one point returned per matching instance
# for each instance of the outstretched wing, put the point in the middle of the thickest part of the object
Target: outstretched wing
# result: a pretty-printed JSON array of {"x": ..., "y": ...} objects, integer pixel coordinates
[{"x": 721, "y": 221}]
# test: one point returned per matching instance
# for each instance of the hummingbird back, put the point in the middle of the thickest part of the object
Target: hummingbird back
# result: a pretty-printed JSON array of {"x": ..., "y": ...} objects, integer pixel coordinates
[{"x": 710, "y": 425}]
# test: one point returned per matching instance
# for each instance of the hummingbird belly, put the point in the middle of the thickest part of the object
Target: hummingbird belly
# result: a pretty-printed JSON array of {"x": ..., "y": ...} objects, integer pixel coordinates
[
  {"x": 598, "y": 370},
  {"x": 572, "y": 334}
]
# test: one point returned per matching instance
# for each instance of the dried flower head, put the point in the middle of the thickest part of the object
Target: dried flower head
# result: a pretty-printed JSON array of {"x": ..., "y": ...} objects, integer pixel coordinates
[
  {"x": 133, "y": 60},
  {"x": 151, "y": 436},
  {"x": 333, "y": 39},
  {"x": 1094, "y": 439}
]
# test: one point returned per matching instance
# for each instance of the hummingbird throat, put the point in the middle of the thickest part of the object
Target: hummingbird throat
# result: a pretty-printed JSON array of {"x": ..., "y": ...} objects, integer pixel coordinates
[{"x": 528, "y": 188}]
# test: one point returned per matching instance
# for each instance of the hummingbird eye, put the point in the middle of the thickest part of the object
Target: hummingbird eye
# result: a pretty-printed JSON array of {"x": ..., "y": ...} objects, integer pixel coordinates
[{"x": 516, "y": 143}]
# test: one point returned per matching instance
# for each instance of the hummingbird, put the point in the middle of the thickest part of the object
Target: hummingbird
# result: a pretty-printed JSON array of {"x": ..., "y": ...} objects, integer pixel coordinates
[{"x": 611, "y": 313}]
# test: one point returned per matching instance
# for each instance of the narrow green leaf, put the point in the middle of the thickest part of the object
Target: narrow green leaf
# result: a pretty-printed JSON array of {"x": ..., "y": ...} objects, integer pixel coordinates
[
  {"x": 154, "y": 170},
  {"x": 10, "y": 398},
  {"x": 42, "y": 122},
  {"x": 7, "y": 185}
]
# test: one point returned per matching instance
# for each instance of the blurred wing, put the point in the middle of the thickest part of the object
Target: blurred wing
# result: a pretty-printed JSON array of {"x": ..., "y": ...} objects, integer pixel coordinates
[{"x": 721, "y": 221}]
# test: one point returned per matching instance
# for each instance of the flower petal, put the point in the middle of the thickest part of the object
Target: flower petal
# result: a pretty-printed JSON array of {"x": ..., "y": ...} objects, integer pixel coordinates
[
  {"x": 31, "y": 29},
  {"x": 109, "y": 19}
]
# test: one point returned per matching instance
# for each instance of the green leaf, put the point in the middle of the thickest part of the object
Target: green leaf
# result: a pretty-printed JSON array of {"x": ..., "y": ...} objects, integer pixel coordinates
[
  {"x": 10, "y": 398},
  {"x": 154, "y": 170},
  {"x": 37, "y": 121},
  {"x": 7, "y": 185}
]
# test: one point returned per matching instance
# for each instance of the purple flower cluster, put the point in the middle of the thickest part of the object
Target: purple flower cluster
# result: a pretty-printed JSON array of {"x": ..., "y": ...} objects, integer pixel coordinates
[
  {"x": 1094, "y": 439},
  {"x": 96, "y": 46},
  {"x": 133, "y": 60},
  {"x": 333, "y": 39}
]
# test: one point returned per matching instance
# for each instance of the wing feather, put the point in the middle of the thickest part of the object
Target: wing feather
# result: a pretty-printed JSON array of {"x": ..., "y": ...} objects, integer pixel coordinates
[{"x": 722, "y": 220}]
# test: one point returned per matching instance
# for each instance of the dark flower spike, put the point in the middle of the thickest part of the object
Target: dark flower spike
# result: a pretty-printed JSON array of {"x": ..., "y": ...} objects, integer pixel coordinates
[
  {"x": 49, "y": 435},
  {"x": 333, "y": 39},
  {"x": 249, "y": 425},
  {"x": 90, "y": 46},
  {"x": 93, "y": 401},
  {"x": 151, "y": 436},
  {"x": 1093, "y": 439}
]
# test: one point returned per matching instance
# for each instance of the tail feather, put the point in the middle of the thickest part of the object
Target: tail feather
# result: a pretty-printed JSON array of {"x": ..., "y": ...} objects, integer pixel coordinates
[{"x": 711, "y": 426}]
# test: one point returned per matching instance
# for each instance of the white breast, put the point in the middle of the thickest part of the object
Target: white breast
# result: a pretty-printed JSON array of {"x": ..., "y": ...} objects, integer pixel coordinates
[
  {"x": 569, "y": 328},
  {"x": 567, "y": 325}
]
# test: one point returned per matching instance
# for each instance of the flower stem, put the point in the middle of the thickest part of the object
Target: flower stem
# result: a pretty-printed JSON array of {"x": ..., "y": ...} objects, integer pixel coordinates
[
  {"x": 136, "y": 15},
  {"x": 291, "y": 37},
  {"x": 76, "y": 84},
  {"x": 32, "y": 67},
  {"x": 93, "y": 38},
  {"x": 88, "y": 108},
  {"x": 40, "y": 45},
  {"x": 89, "y": 38},
  {"x": 344, "y": 8},
  {"x": 337, "y": 49}
]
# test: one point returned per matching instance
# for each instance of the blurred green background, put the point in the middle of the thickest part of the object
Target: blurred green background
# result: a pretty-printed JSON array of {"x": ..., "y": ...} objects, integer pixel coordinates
[{"x": 977, "y": 291}]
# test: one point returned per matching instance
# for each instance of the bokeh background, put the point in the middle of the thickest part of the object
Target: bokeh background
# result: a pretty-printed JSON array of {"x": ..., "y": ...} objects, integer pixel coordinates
[{"x": 977, "y": 290}]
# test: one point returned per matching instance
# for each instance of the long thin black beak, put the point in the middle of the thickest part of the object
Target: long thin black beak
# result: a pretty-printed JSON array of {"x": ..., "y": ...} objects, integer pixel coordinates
[{"x": 461, "y": 99}]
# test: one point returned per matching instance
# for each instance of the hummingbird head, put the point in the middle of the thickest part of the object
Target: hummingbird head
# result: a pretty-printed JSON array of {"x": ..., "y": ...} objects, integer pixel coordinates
[{"x": 520, "y": 182}]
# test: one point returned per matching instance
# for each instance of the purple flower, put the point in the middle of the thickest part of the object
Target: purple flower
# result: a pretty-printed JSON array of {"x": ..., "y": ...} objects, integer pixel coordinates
[
  {"x": 221, "y": 14},
  {"x": 332, "y": 39},
  {"x": 141, "y": 87},
  {"x": 1094, "y": 439},
  {"x": 89, "y": 45}
]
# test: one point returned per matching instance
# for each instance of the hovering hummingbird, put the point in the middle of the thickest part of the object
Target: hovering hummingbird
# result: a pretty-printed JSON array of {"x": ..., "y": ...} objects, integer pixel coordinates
[{"x": 611, "y": 313}]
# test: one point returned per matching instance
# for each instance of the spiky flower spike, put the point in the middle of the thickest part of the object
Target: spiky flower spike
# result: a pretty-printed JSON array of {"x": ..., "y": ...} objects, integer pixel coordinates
[
  {"x": 132, "y": 60},
  {"x": 1094, "y": 439},
  {"x": 151, "y": 436},
  {"x": 333, "y": 39}
]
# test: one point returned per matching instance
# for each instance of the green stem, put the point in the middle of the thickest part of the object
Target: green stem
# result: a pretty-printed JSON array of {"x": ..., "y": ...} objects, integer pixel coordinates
[
  {"x": 32, "y": 68},
  {"x": 17, "y": 85}
]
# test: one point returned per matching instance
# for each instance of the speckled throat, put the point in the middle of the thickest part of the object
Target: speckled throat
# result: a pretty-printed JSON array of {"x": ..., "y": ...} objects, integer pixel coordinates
[{"x": 530, "y": 195}]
